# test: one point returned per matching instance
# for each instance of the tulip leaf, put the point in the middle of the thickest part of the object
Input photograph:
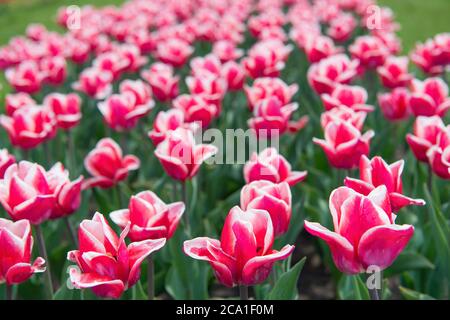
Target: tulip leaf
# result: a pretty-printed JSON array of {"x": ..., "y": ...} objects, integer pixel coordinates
[
  {"x": 64, "y": 293},
  {"x": 409, "y": 294},
  {"x": 138, "y": 292},
  {"x": 407, "y": 261},
  {"x": 286, "y": 286},
  {"x": 351, "y": 287}
]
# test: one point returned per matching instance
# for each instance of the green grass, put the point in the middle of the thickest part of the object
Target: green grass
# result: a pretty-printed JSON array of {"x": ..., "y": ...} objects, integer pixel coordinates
[{"x": 419, "y": 19}]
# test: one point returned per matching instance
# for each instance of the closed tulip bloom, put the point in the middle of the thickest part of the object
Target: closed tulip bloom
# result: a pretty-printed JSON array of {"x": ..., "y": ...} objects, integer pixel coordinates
[
  {"x": 16, "y": 245},
  {"x": 425, "y": 135},
  {"x": 149, "y": 217},
  {"x": 94, "y": 82},
  {"x": 426, "y": 57},
  {"x": 174, "y": 51},
  {"x": 226, "y": 51},
  {"x": 6, "y": 160},
  {"x": 370, "y": 51},
  {"x": 162, "y": 80},
  {"x": 121, "y": 112},
  {"x": 344, "y": 144},
  {"x": 105, "y": 264},
  {"x": 326, "y": 74},
  {"x": 439, "y": 155},
  {"x": 54, "y": 69},
  {"x": 26, "y": 77},
  {"x": 430, "y": 97},
  {"x": 343, "y": 113},
  {"x": 111, "y": 62},
  {"x": 394, "y": 72},
  {"x": 395, "y": 104},
  {"x": 244, "y": 254},
  {"x": 67, "y": 193},
  {"x": 167, "y": 121},
  {"x": 234, "y": 74},
  {"x": 210, "y": 87},
  {"x": 25, "y": 192},
  {"x": 29, "y": 126},
  {"x": 16, "y": 101},
  {"x": 275, "y": 198},
  {"x": 354, "y": 97},
  {"x": 108, "y": 165},
  {"x": 140, "y": 90},
  {"x": 196, "y": 109},
  {"x": 319, "y": 47},
  {"x": 264, "y": 88},
  {"x": 67, "y": 109},
  {"x": 271, "y": 166},
  {"x": 365, "y": 232},
  {"x": 377, "y": 172},
  {"x": 342, "y": 27},
  {"x": 181, "y": 156},
  {"x": 271, "y": 118}
]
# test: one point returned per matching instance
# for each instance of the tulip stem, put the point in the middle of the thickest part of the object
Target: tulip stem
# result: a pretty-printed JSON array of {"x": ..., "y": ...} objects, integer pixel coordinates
[
  {"x": 71, "y": 231},
  {"x": 430, "y": 179},
  {"x": 43, "y": 252},
  {"x": 186, "y": 213},
  {"x": 151, "y": 278},
  {"x": 71, "y": 150},
  {"x": 8, "y": 292},
  {"x": 374, "y": 294},
  {"x": 25, "y": 154},
  {"x": 243, "y": 292}
]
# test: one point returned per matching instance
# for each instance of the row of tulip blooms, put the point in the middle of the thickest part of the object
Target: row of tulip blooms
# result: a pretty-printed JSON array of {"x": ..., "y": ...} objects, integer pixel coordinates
[{"x": 114, "y": 44}]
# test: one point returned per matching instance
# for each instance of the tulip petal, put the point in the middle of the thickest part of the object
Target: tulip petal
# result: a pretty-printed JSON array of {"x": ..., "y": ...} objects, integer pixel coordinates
[{"x": 399, "y": 201}]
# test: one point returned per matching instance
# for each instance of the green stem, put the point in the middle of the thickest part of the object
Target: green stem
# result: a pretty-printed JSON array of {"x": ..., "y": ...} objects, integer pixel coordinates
[
  {"x": 151, "y": 278},
  {"x": 71, "y": 232},
  {"x": 243, "y": 292},
  {"x": 8, "y": 292},
  {"x": 71, "y": 151},
  {"x": 43, "y": 253},
  {"x": 186, "y": 213}
]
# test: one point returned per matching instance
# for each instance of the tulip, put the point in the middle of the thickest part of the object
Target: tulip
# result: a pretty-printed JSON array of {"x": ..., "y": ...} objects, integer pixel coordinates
[
  {"x": 425, "y": 135},
  {"x": 16, "y": 245},
  {"x": 344, "y": 144},
  {"x": 195, "y": 109},
  {"x": 365, "y": 233},
  {"x": 370, "y": 51},
  {"x": 132, "y": 57},
  {"x": 342, "y": 27},
  {"x": 96, "y": 83},
  {"x": 174, "y": 52},
  {"x": 271, "y": 166},
  {"x": 354, "y": 97},
  {"x": 16, "y": 101},
  {"x": 26, "y": 77},
  {"x": 244, "y": 254},
  {"x": 226, "y": 51},
  {"x": 163, "y": 82},
  {"x": 207, "y": 64},
  {"x": 395, "y": 104},
  {"x": 264, "y": 88},
  {"x": 377, "y": 172},
  {"x": 426, "y": 57},
  {"x": 234, "y": 75},
  {"x": 29, "y": 126},
  {"x": 319, "y": 47},
  {"x": 54, "y": 69},
  {"x": 429, "y": 98},
  {"x": 324, "y": 75},
  {"x": 272, "y": 119},
  {"x": 180, "y": 156},
  {"x": 149, "y": 217},
  {"x": 210, "y": 87},
  {"x": 25, "y": 192},
  {"x": 106, "y": 265},
  {"x": 394, "y": 72},
  {"x": 140, "y": 90},
  {"x": 6, "y": 160},
  {"x": 343, "y": 113},
  {"x": 107, "y": 165},
  {"x": 66, "y": 109},
  {"x": 111, "y": 62},
  {"x": 439, "y": 155},
  {"x": 275, "y": 198}
]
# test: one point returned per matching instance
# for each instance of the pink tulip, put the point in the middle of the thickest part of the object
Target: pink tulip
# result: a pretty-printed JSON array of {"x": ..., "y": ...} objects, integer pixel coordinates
[
  {"x": 365, "y": 233},
  {"x": 149, "y": 217},
  {"x": 394, "y": 72},
  {"x": 180, "y": 156},
  {"x": 342, "y": 27},
  {"x": 66, "y": 109},
  {"x": 244, "y": 254},
  {"x": 6, "y": 160},
  {"x": 105, "y": 264},
  {"x": 264, "y": 88},
  {"x": 276, "y": 199},
  {"x": 195, "y": 109},
  {"x": 226, "y": 51},
  {"x": 25, "y": 192},
  {"x": 94, "y": 82},
  {"x": 425, "y": 135},
  {"x": 395, "y": 104},
  {"x": 343, "y": 113},
  {"x": 162, "y": 80},
  {"x": 326, "y": 74},
  {"x": 370, "y": 51},
  {"x": 354, "y": 97},
  {"x": 167, "y": 121},
  {"x": 107, "y": 165},
  {"x": 175, "y": 52},
  {"x": 429, "y": 98},
  {"x": 26, "y": 77},
  {"x": 234, "y": 74},
  {"x": 210, "y": 87},
  {"x": 377, "y": 172},
  {"x": 29, "y": 126},
  {"x": 16, "y": 101},
  {"x": 271, "y": 166},
  {"x": 111, "y": 62},
  {"x": 54, "y": 69},
  {"x": 344, "y": 144},
  {"x": 16, "y": 245},
  {"x": 439, "y": 155},
  {"x": 319, "y": 47},
  {"x": 427, "y": 56}
]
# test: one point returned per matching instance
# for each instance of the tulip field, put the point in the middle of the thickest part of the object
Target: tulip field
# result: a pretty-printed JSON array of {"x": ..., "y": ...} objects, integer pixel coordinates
[{"x": 224, "y": 149}]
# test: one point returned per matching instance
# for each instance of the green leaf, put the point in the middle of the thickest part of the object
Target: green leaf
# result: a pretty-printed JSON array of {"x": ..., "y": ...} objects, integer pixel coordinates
[
  {"x": 138, "y": 292},
  {"x": 409, "y": 294},
  {"x": 408, "y": 261},
  {"x": 352, "y": 288},
  {"x": 361, "y": 292},
  {"x": 286, "y": 286},
  {"x": 64, "y": 293}
]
